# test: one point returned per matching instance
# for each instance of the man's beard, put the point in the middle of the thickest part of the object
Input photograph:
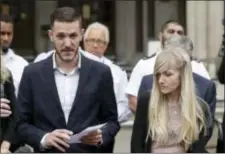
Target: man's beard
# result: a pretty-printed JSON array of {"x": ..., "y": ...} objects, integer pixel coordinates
[{"x": 5, "y": 49}]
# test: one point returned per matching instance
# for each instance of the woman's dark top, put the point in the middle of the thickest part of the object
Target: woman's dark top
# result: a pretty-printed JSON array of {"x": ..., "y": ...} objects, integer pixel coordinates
[
  {"x": 140, "y": 128},
  {"x": 8, "y": 124}
]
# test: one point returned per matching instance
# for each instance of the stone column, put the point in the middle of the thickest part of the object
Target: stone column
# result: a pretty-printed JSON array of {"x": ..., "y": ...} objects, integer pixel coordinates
[
  {"x": 125, "y": 30},
  {"x": 43, "y": 9},
  {"x": 215, "y": 27},
  {"x": 215, "y": 31},
  {"x": 145, "y": 27},
  {"x": 205, "y": 29},
  {"x": 197, "y": 26}
]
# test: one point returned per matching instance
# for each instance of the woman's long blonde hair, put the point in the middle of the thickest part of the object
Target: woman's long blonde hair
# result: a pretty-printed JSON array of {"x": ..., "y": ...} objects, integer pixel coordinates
[
  {"x": 4, "y": 71},
  {"x": 192, "y": 115}
]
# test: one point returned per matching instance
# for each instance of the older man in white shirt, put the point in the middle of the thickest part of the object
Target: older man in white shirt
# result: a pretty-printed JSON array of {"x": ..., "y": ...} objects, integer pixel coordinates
[{"x": 96, "y": 39}]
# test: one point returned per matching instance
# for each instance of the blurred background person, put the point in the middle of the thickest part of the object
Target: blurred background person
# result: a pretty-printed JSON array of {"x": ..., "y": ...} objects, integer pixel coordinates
[
  {"x": 8, "y": 118},
  {"x": 171, "y": 118},
  {"x": 96, "y": 40},
  {"x": 12, "y": 61},
  {"x": 221, "y": 77},
  {"x": 145, "y": 66}
]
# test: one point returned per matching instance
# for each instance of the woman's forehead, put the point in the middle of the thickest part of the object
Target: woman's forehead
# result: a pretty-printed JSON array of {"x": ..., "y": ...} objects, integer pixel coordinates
[{"x": 167, "y": 66}]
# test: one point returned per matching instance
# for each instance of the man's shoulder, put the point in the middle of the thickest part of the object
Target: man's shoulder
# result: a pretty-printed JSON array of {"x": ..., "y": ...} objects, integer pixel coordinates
[
  {"x": 117, "y": 68},
  {"x": 150, "y": 56},
  {"x": 95, "y": 64},
  {"x": 149, "y": 60},
  {"x": 203, "y": 80},
  {"x": 147, "y": 77},
  {"x": 43, "y": 56},
  {"x": 195, "y": 59},
  {"x": 144, "y": 98},
  {"x": 144, "y": 61},
  {"x": 20, "y": 60},
  {"x": 36, "y": 66}
]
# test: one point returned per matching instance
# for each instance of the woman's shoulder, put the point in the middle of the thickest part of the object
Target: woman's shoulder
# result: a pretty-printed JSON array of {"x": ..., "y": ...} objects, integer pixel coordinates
[
  {"x": 9, "y": 80},
  {"x": 205, "y": 108},
  {"x": 202, "y": 103},
  {"x": 144, "y": 98}
]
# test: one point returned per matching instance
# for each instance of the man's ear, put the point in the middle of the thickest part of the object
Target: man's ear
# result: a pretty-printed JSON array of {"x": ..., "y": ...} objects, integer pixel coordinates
[
  {"x": 50, "y": 35},
  {"x": 160, "y": 36},
  {"x": 82, "y": 34}
]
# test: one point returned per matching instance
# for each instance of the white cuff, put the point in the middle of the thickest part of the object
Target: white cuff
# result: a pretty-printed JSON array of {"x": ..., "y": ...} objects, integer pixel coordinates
[{"x": 43, "y": 144}]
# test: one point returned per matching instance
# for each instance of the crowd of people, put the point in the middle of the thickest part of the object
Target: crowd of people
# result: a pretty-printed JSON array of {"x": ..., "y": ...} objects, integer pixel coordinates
[{"x": 71, "y": 88}]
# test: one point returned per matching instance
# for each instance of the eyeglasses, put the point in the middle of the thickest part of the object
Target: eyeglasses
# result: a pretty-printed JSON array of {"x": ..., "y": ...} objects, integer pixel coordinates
[
  {"x": 172, "y": 31},
  {"x": 97, "y": 41}
]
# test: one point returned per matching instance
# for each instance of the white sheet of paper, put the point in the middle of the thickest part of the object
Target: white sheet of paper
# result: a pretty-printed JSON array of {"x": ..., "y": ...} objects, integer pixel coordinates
[{"x": 76, "y": 138}]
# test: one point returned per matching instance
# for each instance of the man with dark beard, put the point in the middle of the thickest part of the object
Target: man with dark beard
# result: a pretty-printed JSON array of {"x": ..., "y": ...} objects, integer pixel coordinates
[{"x": 66, "y": 93}]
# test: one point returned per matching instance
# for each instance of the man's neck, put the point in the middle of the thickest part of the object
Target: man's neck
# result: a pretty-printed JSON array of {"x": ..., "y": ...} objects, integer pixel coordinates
[
  {"x": 5, "y": 50},
  {"x": 67, "y": 67}
]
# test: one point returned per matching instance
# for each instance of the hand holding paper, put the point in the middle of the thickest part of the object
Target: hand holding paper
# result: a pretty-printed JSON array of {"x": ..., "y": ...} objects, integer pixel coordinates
[{"x": 91, "y": 135}]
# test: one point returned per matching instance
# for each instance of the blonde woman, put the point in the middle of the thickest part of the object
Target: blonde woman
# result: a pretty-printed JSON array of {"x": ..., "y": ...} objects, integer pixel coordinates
[
  {"x": 7, "y": 120},
  {"x": 171, "y": 118}
]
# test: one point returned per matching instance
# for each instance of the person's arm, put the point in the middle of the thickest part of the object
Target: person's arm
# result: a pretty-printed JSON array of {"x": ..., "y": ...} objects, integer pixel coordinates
[
  {"x": 124, "y": 112},
  {"x": 12, "y": 124},
  {"x": 108, "y": 108},
  {"x": 211, "y": 102},
  {"x": 199, "y": 68},
  {"x": 139, "y": 132},
  {"x": 133, "y": 86},
  {"x": 199, "y": 146},
  {"x": 146, "y": 84},
  {"x": 28, "y": 132},
  {"x": 132, "y": 103},
  {"x": 221, "y": 71}
]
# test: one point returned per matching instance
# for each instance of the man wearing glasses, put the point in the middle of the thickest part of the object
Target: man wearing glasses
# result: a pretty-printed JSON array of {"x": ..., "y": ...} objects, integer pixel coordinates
[{"x": 96, "y": 39}]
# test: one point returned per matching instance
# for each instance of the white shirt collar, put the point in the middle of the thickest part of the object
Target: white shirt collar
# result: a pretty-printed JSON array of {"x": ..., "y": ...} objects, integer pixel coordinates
[
  {"x": 102, "y": 59},
  {"x": 10, "y": 55}
]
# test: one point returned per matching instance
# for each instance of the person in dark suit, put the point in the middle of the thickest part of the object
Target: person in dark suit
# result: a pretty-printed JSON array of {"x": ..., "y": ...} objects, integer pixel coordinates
[
  {"x": 8, "y": 115},
  {"x": 220, "y": 73},
  {"x": 171, "y": 118},
  {"x": 66, "y": 93}
]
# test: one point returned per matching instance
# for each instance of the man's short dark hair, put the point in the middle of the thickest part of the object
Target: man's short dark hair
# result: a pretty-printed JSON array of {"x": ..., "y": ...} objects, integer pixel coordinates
[
  {"x": 65, "y": 14},
  {"x": 165, "y": 25},
  {"x": 6, "y": 18}
]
